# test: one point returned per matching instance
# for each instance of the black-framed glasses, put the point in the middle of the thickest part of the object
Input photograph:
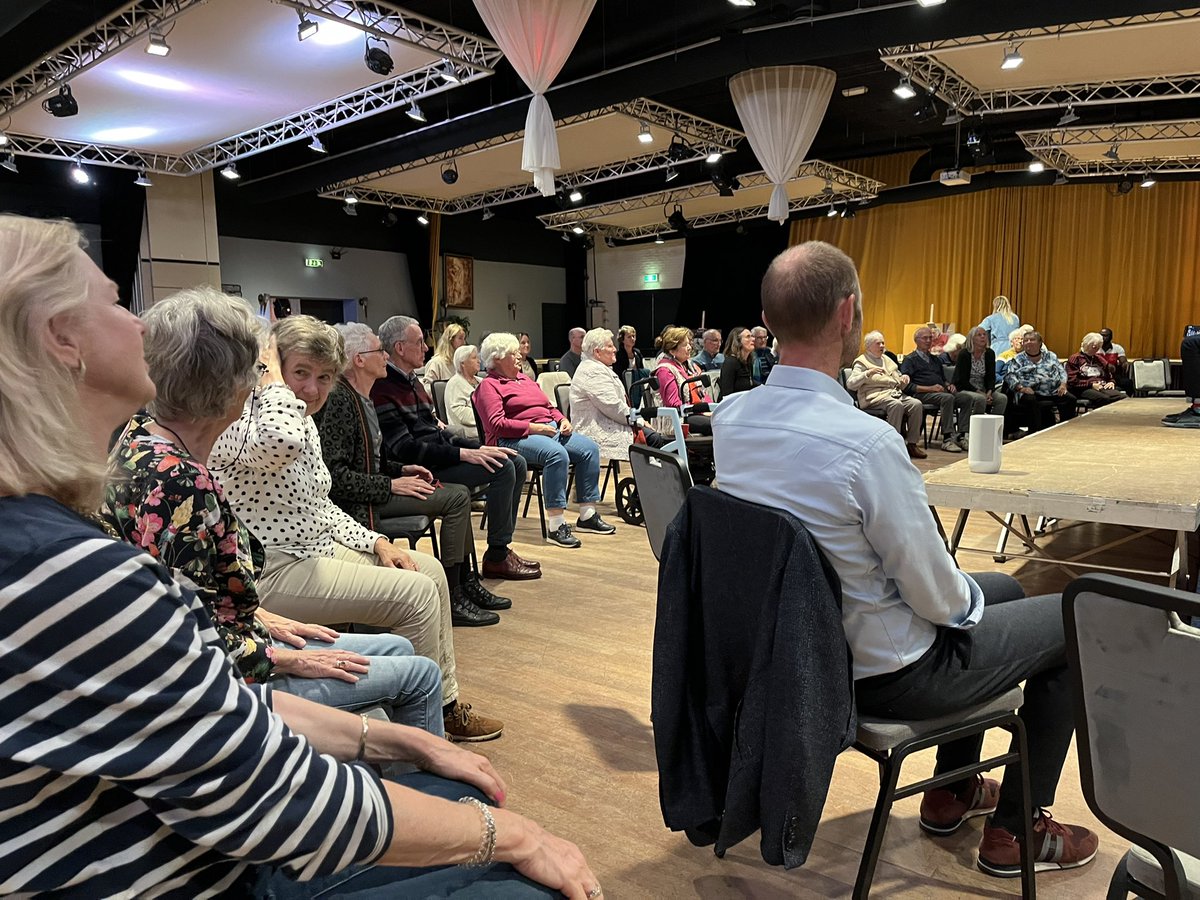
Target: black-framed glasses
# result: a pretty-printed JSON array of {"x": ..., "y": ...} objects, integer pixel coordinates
[
  {"x": 260, "y": 368},
  {"x": 376, "y": 350}
]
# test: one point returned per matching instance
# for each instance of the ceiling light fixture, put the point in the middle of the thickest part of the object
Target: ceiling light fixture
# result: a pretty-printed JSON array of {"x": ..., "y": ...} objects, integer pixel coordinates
[
  {"x": 577, "y": 229},
  {"x": 79, "y": 174},
  {"x": 1068, "y": 117},
  {"x": 349, "y": 209},
  {"x": 315, "y": 144},
  {"x": 856, "y": 90},
  {"x": 1037, "y": 166},
  {"x": 307, "y": 27},
  {"x": 904, "y": 90},
  {"x": 351, "y": 198},
  {"x": 928, "y": 3},
  {"x": 658, "y": 239},
  {"x": 831, "y": 212},
  {"x": 422, "y": 218},
  {"x": 231, "y": 172},
  {"x": 488, "y": 214},
  {"x": 953, "y": 116},
  {"x": 1113, "y": 153},
  {"x": 10, "y": 163},
  {"x": 848, "y": 212},
  {"x": 1012, "y": 57},
  {"x": 644, "y": 134},
  {"x": 575, "y": 196},
  {"x": 143, "y": 180},
  {"x": 378, "y": 60},
  {"x": 414, "y": 112},
  {"x": 62, "y": 104},
  {"x": 677, "y": 221},
  {"x": 1148, "y": 180},
  {"x": 744, "y": 3},
  {"x": 714, "y": 157},
  {"x": 672, "y": 174},
  {"x": 158, "y": 45},
  {"x": 450, "y": 172},
  {"x": 678, "y": 150},
  {"x": 390, "y": 219},
  {"x": 3, "y": 139},
  {"x": 448, "y": 73},
  {"x": 927, "y": 111}
]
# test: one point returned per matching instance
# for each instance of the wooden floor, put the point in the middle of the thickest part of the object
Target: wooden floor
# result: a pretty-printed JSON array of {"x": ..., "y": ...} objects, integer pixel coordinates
[{"x": 568, "y": 669}]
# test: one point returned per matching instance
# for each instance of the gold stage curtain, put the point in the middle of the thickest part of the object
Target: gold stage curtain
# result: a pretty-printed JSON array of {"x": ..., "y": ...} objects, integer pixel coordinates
[{"x": 1072, "y": 258}]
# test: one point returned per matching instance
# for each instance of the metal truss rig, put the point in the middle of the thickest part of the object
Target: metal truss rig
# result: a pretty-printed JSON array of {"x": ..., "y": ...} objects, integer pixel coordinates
[
  {"x": 1054, "y": 145},
  {"x": 843, "y": 186},
  {"x": 921, "y": 63}
]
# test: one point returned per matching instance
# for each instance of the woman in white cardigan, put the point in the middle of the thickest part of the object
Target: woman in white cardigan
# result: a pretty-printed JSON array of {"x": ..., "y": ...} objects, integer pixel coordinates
[
  {"x": 599, "y": 408},
  {"x": 459, "y": 389}
]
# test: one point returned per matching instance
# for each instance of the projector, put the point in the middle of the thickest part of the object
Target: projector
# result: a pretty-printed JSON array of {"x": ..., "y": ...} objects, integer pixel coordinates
[{"x": 955, "y": 177}]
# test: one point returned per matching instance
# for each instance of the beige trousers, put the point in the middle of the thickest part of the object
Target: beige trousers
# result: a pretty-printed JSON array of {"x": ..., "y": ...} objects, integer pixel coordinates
[
  {"x": 351, "y": 587},
  {"x": 905, "y": 415}
]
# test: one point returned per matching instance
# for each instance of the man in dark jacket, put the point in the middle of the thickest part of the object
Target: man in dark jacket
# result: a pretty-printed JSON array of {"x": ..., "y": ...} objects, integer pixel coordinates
[{"x": 927, "y": 382}]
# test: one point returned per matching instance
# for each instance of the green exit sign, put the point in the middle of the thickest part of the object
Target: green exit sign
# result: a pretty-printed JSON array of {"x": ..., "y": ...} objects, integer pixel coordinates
[
  {"x": 314, "y": 263},
  {"x": 650, "y": 279}
]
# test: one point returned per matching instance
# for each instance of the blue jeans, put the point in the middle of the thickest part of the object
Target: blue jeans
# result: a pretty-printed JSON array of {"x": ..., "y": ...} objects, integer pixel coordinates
[
  {"x": 408, "y": 688},
  {"x": 500, "y": 881},
  {"x": 554, "y": 455}
]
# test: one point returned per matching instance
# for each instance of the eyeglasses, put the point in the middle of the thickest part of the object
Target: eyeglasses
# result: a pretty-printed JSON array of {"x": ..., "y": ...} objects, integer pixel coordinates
[{"x": 376, "y": 350}]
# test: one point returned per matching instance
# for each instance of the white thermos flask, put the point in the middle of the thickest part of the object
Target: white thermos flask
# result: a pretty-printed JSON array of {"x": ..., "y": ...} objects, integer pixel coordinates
[{"x": 987, "y": 438}]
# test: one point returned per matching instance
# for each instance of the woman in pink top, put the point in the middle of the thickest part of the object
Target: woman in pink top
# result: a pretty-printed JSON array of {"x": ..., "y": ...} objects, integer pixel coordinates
[
  {"x": 674, "y": 368},
  {"x": 516, "y": 414}
]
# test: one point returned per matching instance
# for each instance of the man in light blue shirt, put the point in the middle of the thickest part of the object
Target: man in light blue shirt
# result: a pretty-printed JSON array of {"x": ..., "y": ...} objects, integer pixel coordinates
[
  {"x": 710, "y": 356},
  {"x": 928, "y": 640}
]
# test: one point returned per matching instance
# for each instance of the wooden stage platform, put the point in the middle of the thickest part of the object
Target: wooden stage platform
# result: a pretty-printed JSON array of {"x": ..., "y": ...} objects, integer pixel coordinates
[{"x": 1117, "y": 465}]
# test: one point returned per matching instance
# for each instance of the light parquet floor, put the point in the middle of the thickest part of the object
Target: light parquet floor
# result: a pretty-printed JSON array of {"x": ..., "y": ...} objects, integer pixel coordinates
[{"x": 568, "y": 669}]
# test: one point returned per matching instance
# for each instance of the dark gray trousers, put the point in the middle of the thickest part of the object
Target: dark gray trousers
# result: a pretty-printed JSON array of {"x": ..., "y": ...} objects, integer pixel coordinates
[
  {"x": 452, "y": 504},
  {"x": 503, "y": 496},
  {"x": 1018, "y": 639}
]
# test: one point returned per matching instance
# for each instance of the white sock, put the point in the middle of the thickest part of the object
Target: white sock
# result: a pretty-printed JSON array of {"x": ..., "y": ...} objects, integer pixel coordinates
[
  {"x": 586, "y": 511},
  {"x": 553, "y": 522}
]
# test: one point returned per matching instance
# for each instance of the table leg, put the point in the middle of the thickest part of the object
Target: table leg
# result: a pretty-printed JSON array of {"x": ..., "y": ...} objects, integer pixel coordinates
[
  {"x": 959, "y": 525},
  {"x": 1180, "y": 576},
  {"x": 999, "y": 556}
]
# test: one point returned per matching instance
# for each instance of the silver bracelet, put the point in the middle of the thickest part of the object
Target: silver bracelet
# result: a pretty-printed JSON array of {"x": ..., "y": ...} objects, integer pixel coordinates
[
  {"x": 362, "y": 738},
  {"x": 487, "y": 842}
]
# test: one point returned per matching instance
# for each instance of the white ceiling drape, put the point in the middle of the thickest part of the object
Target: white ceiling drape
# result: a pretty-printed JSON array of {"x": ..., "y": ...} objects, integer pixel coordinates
[
  {"x": 537, "y": 36},
  {"x": 781, "y": 108}
]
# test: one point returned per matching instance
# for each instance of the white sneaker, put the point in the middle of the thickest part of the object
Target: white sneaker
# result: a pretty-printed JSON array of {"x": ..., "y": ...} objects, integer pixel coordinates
[{"x": 950, "y": 446}]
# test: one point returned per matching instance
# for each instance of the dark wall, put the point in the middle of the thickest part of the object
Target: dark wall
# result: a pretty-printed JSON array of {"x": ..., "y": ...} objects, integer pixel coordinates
[{"x": 723, "y": 271}]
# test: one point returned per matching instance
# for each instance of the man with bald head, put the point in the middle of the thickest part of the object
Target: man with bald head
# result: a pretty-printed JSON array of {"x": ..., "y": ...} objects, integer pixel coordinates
[
  {"x": 570, "y": 360},
  {"x": 927, "y": 639}
]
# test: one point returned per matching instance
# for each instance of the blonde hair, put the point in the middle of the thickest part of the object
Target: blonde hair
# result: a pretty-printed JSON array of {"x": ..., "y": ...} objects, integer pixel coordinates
[
  {"x": 1003, "y": 306},
  {"x": 444, "y": 348},
  {"x": 41, "y": 276},
  {"x": 673, "y": 337},
  {"x": 310, "y": 337}
]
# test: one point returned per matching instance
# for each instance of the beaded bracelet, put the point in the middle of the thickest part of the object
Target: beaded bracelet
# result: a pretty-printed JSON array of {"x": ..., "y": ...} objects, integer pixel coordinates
[
  {"x": 487, "y": 842},
  {"x": 362, "y": 738}
]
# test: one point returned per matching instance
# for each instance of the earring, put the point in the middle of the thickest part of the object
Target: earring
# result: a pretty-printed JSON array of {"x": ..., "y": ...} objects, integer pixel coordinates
[{"x": 81, "y": 372}]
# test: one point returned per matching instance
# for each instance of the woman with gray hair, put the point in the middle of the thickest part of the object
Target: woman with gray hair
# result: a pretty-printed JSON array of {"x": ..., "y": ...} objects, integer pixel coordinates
[
  {"x": 321, "y": 564},
  {"x": 460, "y": 415},
  {"x": 975, "y": 377},
  {"x": 879, "y": 385},
  {"x": 517, "y": 415},
  {"x": 163, "y": 498},
  {"x": 1089, "y": 376},
  {"x": 598, "y": 405}
]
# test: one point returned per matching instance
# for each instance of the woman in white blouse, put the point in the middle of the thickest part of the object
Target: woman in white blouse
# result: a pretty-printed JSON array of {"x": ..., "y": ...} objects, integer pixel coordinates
[
  {"x": 323, "y": 566},
  {"x": 460, "y": 414},
  {"x": 598, "y": 405},
  {"x": 441, "y": 365}
]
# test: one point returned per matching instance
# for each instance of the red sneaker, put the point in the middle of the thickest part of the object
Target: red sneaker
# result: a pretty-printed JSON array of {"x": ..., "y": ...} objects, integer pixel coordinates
[
  {"x": 1056, "y": 846},
  {"x": 943, "y": 811}
]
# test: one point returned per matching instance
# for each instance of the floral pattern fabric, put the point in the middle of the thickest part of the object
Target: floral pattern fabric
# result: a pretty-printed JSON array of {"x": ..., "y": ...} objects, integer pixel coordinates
[{"x": 162, "y": 500}]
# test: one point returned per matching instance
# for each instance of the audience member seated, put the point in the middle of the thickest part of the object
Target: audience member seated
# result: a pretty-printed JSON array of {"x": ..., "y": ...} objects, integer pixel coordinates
[
  {"x": 1114, "y": 354},
  {"x": 1037, "y": 382},
  {"x": 321, "y": 565},
  {"x": 949, "y": 354},
  {"x": 927, "y": 381},
  {"x": 1090, "y": 376},
  {"x": 927, "y": 639},
  {"x": 201, "y": 349},
  {"x": 710, "y": 357},
  {"x": 441, "y": 365},
  {"x": 1189, "y": 353},
  {"x": 1000, "y": 325},
  {"x": 413, "y": 434},
  {"x": 673, "y": 368},
  {"x": 764, "y": 359},
  {"x": 879, "y": 384},
  {"x": 975, "y": 375},
  {"x": 599, "y": 409},
  {"x": 529, "y": 365},
  {"x": 369, "y": 486},
  {"x": 570, "y": 360},
  {"x": 737, "y": 369},
  {"x": 136, "y": 761},
  {"x": 938, "y": 343},
  {"x": 629, "y": 357},
  {"x": 516, "y": 415},
  {"x": 459, "y": 411}
]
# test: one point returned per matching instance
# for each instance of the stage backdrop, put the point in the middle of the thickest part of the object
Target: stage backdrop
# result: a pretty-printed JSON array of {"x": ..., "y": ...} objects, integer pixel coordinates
[{"x": 1073, "y": 258}]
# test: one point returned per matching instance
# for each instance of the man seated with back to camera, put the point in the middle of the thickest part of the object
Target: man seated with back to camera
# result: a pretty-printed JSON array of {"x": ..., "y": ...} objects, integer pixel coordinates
[{"x": 927, "y": 639}]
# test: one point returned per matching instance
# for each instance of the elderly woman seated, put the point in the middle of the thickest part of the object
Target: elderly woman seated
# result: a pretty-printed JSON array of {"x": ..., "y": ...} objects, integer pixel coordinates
[
  {"x": 1089, "y": 376},
  {"x": 598, "y": 403},
  {"x": 672, "y": 372},
  {"x": 516, "y": 414},
  {"x": 201, "y": 350},
  {"x": 460, "y": 415},
  {"x": 321, "y": 564},
  {"x": 877, "y": 381}
]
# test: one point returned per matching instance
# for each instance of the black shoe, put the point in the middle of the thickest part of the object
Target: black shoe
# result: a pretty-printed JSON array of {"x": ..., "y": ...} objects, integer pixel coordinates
[
  {"x": 1189, "y": 418},
  {"x": 595, "y": 524},
  {"x": 464, "y": 612},
  {"x": 473, "y": 590},
  {"x": 562, "y": 536}
]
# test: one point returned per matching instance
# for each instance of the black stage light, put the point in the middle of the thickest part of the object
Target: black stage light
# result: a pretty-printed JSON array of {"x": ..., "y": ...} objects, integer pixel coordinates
[
  {"x": 450, "y": 172},
  {"x": 677, "y": 150},
  {"x": 725, "y": 183},
  {"x": 677, "y": 221},
  {"x": 927, "y": 111},
  {"x": 378, "y": 60},
  {"x": 390, "y": 219},
  {"x": 62, "y": 104}
]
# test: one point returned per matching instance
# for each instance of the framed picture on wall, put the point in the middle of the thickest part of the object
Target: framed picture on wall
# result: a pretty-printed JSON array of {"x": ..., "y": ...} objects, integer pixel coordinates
[{"x": 459, "y": 281}]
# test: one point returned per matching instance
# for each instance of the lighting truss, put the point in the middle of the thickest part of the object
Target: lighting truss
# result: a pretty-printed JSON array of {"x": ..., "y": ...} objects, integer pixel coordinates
[
  {"x": 921, "y": 63},
  {"x": 1054, "y": 147},
  {"x": 704, "y": 136},
  {"x": 848, "y": 187},
  {"x": 97, "y": 154}
]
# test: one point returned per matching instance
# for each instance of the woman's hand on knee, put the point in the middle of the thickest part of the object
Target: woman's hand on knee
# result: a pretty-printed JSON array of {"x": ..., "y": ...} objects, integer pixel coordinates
[{"x": 544, "y": 857}]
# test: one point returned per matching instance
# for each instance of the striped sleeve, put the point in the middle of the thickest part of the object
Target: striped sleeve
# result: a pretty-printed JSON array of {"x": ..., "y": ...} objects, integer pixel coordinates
[{"x": 116, "y": 692}]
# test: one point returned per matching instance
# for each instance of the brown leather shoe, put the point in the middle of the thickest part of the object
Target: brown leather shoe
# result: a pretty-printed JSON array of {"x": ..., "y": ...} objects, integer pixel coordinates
[
  {"x": 916, "y": 452},
  {"x": 511, "y": 568},
  {"x": 532, "y": 563}
]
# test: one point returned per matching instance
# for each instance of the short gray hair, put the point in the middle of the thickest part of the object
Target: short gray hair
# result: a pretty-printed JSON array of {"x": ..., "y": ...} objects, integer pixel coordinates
[
  {"x": 1016, "y": 333},
  {"x": 462, "y": 354},
  {"x": 309, "y": 336},
  {"x": 711, "y": 332},
  {"x": 201, "y": 349},
  {"x": 357, "y": 338},
  {"x": 758, "y": 331},
  {"x": 593, "y": 341},
  {"x": 393, "y": 330},
  {"x": 495, "y": 346},
  {"x": 872, "y": 336},
  {"x": 571, "y": 333},
  {"x": 1090, "y": 338}
]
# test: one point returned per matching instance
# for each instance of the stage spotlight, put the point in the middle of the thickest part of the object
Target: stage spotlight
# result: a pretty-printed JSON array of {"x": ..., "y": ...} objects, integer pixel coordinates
[
  {"x": 831, "y": 212},
  {"x": 488, "y": 214},
  {"x": 349, "y": 209},
  {"x": 927, "y": 111},
  {"x": 143, "y": 180},
  {"x": 746, "y": 3},
  {"x": 79, "y": 174},
  {"x": 10, "y": 163},
  {"x": 414, "y": 112},
  {"x": 953, "y": 116},
  {"x": 677, "y": 221},
  {"x": 644, "y": 134},
  {"x": 378, "y": 60},
  {"x": 1148, "y": 180},
  {"x": 315, "y": 144},
  {"x": 1037, "y": 166},
  {"x": 848, "y": 212},
  {"x": 390, "y": 219},
  {"x": 722, "y": 181},
  {"x": 62, "y": 104},
  {"x": 575, "y": 196},
  {"x": 450, "y": 173},
  {"x": 307, "y": 27},
  {"x": 422, "y": 218},
  {"x": 1068, "y": 117},
  {"x": 714, "y": 157},
  {"x": 576, "y": 229},
  {"x": 158, "y": 45},
  {"x": 904, "y": 90},
  {"x": 658, "y": 239},
  {"x": 3, "y": 139},
  {"x": 231, "y": 172},
  {"x": 677, "y": 150},
  {"x": 351, "y": 198},
  {"x": 448, "y": 73},
  {"x": 930, "y": 2},
  {"x": 672, "y": 174},
  {"x": 1012, "y": 57},
  {"x": 1113, "y": 153}
]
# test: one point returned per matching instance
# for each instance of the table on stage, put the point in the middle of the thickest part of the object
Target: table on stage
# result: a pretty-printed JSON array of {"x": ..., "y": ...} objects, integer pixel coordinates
[{"x": 1117, "y": 465}]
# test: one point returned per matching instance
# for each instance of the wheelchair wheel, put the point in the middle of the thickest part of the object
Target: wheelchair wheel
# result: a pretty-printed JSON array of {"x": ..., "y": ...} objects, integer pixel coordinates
[{"x": 629, "y": 507}]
